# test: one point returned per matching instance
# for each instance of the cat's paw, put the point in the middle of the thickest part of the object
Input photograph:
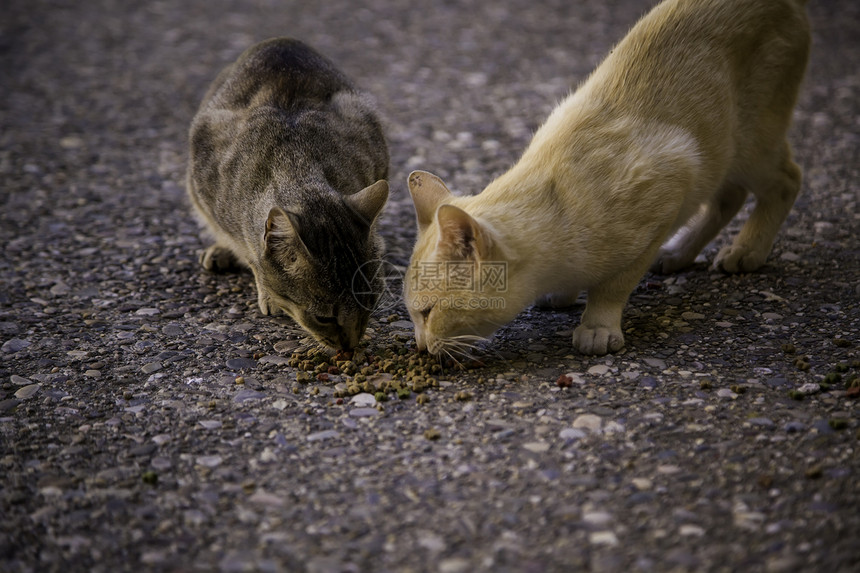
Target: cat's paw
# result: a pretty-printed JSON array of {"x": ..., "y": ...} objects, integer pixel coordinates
[
  {"x": 217, "y": 259},
  {"x": 739, "y": 259},
  {"x": 599, "y": 340},
  {"x": 668, "y": 262}
]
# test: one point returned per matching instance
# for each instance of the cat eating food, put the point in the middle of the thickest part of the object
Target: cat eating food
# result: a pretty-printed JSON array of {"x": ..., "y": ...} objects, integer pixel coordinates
[
  {"x": 664, "y": 140},
  {"x": 287, "y": 170}
]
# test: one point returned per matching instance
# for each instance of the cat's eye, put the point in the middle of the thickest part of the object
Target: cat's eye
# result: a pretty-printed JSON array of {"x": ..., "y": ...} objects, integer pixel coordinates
[
  {"x": 326, "y": 319},
  {"x": 426, "y": 312}
]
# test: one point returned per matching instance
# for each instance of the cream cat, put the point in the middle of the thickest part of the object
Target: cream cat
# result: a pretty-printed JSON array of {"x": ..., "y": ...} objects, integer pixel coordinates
[{"x": 687, "y": 114}]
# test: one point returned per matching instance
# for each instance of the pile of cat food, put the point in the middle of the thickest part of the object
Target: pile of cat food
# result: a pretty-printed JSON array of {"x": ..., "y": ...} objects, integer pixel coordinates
[{"x": 384, "y": 374}]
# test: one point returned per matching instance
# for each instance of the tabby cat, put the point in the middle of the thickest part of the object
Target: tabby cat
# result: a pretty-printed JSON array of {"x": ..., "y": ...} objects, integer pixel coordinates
[{"x": 287, "y": 170}]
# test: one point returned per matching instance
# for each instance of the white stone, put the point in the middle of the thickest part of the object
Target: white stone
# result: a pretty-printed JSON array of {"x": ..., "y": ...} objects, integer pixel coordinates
[
  {"x": 691, "y": 530},
  {"x": 603, "y": 538},
  {"x": 431, "y": 542},
  {"x": 809, "y": 388},
  {"x": 575, "y": 378},
  {"x": 589, "y": 422},
  {"x": 613, "y": 427},
  {"x": 268, "y": 456},
  {"x": 536, "y": 447},
  {"x": 363, "y": 400},
  {"x": 570, "y": 434},
  {"x": 726, "y": 393},
  {"x": 209, "y": 461},
  {"x": 642, "y": 484},
  {"x": 455, "y": 565},
  {"x": 25, "y": 392},
  {"x": 596, "y": 517},
  {"x": 598, "y": 369},
  {"x": 323, "y": 435},
  {"x": 147, "y": 311},
  {"x": 364, "y": 412}
]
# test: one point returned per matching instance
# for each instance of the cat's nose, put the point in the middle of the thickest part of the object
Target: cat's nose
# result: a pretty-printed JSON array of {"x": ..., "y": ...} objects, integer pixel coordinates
[{"x": 347, "y": 340}]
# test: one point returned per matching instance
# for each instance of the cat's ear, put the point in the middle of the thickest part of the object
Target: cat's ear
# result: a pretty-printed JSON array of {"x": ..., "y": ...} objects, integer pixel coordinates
[
  {"x": 460, "y": 235},
  {"x": 428, "y": 192},
  {"x": 283, "y": 234},
  {"x": 369, "y": 201}
]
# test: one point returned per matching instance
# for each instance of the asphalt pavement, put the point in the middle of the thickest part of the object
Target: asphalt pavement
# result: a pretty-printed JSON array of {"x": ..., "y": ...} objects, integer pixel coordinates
[{"x": 151, "y": 419}]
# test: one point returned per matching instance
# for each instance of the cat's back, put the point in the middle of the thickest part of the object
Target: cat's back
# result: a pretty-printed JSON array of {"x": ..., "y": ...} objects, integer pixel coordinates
[
  {"x": 684, "y": 44},
  {"x": 282, "y": 72},
  {"x": 280, "y": 115}
]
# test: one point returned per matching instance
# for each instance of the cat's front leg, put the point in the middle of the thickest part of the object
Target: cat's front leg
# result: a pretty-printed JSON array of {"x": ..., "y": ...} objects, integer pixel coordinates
[
  {"x": 218, "y": 259},
  {"x": 600, "y": 330},
  {"x": 263, "y": 302}
]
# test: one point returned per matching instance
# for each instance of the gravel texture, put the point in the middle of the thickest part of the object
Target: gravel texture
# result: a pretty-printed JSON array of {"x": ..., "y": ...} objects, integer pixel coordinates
[{"x": 150, "y": 417}]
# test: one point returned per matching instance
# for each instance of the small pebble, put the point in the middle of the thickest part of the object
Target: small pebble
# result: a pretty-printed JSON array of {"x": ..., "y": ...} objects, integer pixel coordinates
[
  {"x": 241, "y": 364},
  {"x": 603, "y": 538},
  {"x": 588, "y": 422},
  {"x": 27, "y": 391},
  {"x": 15, "y": 345},
  {"x": 151, "y": 367},
  {"x": 689, "y": 530},
  {"x": 363, "y": 412},
  {"x": 323, "y": 435},
  {"x": 570, "y": 434},
  {"x": 793, "y": 427},
  {"x": 596, "y": 517},
  {"x": 809, "y": 389},
  {"x": 727, "y": 394},
  {"x": 536, "y": 447},
  {"x": 248, "y": 394},
  {"x": 363, "y": 400},
  {"x": 209, "y": 461}
]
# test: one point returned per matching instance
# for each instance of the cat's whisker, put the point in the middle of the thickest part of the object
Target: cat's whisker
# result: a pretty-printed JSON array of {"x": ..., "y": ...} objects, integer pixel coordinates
[
  {"x": 482, "y": 344},
  {"x": 444, "y": 351}
]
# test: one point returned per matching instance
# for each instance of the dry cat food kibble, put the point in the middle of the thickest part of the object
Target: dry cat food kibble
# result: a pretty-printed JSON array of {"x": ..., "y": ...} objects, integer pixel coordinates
[{"x": 390, "y": 371}]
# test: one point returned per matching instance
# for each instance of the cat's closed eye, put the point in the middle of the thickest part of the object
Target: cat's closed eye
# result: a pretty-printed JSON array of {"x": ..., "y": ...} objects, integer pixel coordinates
[
  {"x": 426, "y": 312},
  {"x": 326, "y": 319}
]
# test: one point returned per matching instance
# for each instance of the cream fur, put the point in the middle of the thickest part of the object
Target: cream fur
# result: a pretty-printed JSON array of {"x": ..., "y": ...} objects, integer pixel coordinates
[{"x": 687, "y": 114}]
